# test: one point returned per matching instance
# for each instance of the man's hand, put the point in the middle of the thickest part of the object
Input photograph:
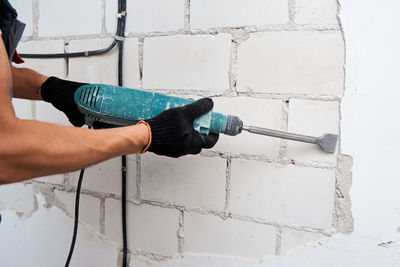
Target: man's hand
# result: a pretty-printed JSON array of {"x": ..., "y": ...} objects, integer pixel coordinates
[
  {"x": 60, "y": 93},
  {"x": 172, "y": 132}
]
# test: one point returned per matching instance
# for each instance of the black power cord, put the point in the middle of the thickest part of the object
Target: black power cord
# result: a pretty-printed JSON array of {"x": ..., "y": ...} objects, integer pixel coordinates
[
  {"x": 121, "y": 32},
  {"x": 76, "y": 219},
  {"x": 119, "y": 39}
]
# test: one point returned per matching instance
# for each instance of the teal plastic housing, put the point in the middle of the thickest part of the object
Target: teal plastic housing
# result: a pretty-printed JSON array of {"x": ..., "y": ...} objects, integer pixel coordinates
[{"x": 123, "y": 106}]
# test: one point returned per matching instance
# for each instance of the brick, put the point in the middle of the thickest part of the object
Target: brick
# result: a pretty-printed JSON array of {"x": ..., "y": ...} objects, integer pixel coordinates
[
  {"x": 192, "y": 181},
  {"x": 53, "y": 179},
  {"x": 283, "y": 193},
  {"x": 150, "y": 228},
  {"x": 89, "y": 209},
  {"x": 94, "y": 69},
  {"x": 292, "y": 62},
  {"x": 54, "y": 66},
  {"x": 316, "y": 12},
  {"x": 234, "y": 13},
  {"x": 18, "y": 197},
  {"x": 48, "y": 113},
  {"x": 58, "y": 18},
  {"x": 22, "y": 108},
  {"x": 187, "y": 62},
  {"x": 131, "y": 71},
  {"x": 106, "y": 177},
  {"x": 292, "y": 239},
  {"x": 147, "y": 16},
  {"x": 257, "y": 112},
  {"x": 213, "y": 235},
  {"x": 312, "y": 118},
  {"x": 24, "y": 10}
]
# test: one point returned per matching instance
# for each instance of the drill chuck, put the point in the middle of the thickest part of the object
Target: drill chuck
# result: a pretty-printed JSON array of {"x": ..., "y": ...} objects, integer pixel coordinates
[{"x": 234, "y": 125}]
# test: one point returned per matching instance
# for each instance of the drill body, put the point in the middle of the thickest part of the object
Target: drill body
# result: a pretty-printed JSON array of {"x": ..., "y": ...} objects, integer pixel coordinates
[{"x": 121, "y": 106}]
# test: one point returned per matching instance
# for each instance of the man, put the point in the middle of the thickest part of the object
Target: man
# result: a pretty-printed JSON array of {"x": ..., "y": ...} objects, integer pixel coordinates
[{"x": 31, "y": 149}]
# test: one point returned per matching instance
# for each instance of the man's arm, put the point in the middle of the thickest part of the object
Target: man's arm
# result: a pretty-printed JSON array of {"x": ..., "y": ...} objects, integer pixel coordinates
[
  {"x": 31, "y": 149},
  {"x": 27, "y": 83}
]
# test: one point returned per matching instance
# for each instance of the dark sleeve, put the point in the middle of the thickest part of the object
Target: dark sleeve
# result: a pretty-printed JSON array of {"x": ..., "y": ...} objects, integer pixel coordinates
[{"x": 11, "y": 28}]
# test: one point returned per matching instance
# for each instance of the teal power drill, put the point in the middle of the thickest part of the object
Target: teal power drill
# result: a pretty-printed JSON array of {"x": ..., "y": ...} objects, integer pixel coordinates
[{"x": 121, "y": 106}]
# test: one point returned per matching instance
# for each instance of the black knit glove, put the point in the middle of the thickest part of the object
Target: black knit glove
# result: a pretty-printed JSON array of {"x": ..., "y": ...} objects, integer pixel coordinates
[
  {"x": 173, "y": 134},
  {"x": 60, "y": 93}
]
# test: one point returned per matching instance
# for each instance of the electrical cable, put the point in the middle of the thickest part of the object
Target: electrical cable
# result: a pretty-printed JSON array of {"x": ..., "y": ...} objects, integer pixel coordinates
[
  {"x": 118, "y": 39},
  {"x": 74, "y": 54},
  {"x": 76, "y": 219},
  {"x": 121, "y": 33}
]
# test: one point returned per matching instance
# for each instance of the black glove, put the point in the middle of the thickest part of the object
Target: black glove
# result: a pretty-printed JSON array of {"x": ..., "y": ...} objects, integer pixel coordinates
[
  {"x": 60, "y": 93},
  {"x": 173, "y": 134}
]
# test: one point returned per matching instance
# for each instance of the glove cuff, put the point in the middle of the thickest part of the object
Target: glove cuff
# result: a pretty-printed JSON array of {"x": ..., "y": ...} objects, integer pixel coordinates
[
  {"x": 51, "y": 89},
  {"x": 164, "y": 130},
  {"x": 150, "y": 136}
]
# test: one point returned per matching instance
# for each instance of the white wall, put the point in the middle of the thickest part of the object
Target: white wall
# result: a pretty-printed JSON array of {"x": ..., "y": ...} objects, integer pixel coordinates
[{"x": 250, "y": 201}]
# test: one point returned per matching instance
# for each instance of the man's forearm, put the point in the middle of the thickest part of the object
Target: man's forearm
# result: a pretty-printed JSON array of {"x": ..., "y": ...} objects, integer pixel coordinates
[
  {"x": 31, "y": 149},
  {"x": 27, "y": 83}
]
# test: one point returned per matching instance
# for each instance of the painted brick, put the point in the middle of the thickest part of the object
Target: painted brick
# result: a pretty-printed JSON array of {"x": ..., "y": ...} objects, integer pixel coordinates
[
  {"x": 94, "y": 69},
  {"x": 257, "y": 112},
  {"x": 316, "y": 12},
  {"x": 292, "y": 239},
  {"x": 147, "y": 16},
  {"x": 213, "y": 235},
  {"x": 24, "y": 10},
  {"x": 292, "y": 62},
  {"x": 53, "y": 179},
  {"x": 106, "y": 177},
  {"x": 187, "y": 62},
  {"x": 231, "y": 13},
  {"x": 74, "y": 17},
  {"x": 89, "y": 209},
  {"x": 312, "y": 118},
  {"x": 22, "y": 108},
  {"x": 131, "y": 71},
  {"x": 150, "y": 228},
  {"x": 48, "y": 113},
  {"x": 192, "y": 181},
  {"x": 18, "y": 197},
  {"x": 55, "y": 67},
  {"x": 283, "y": 193}
]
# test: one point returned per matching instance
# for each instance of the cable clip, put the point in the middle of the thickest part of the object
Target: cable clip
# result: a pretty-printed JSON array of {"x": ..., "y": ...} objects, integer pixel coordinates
[
  {"x": 86, "y": 53},
  {"x": 122, "y": 14},
  {"x": 119, "y": 38}
]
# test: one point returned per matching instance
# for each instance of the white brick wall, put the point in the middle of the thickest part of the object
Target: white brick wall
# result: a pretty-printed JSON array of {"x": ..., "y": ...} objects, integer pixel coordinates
[
  {"x": 283, "y": 194},
  {"x": 72, "y": 17},
  {"x": 52, "y": 179},
  {"x": 276, "y": 64},
  {"x": 106, "y": 177},
  {"x": 19, "y": 198},
  {"x": 131, "y": 73},
  {"x": 22, "y": 108},
  {"x": 147, "y": 16},
  {"x": 213, "y": 235},
  {"x": 297, "y": 62},
  {"x": 192, "y": 181},
  {"x": 230, "y": 13},
  {"x": 316, "y": 12},
  {"x": 257, "y": 112},
  {"x": 292, "y": 239},
  {"x": 198, "y": 62},
  {"x": 96, "y": 69},
  {"x": 54, "y": 67},
  {"x": 24, "y": 10},
  {"x": 150, "y": 228},
  {"x": 89, "y": 209}
]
